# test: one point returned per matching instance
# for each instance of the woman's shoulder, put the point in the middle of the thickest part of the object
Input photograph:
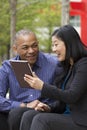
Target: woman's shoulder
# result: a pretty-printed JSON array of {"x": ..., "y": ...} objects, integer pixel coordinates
[{"x": 82, "y": 63}]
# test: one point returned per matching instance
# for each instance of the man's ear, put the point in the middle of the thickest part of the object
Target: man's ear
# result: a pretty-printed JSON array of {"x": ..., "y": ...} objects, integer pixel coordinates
[{"x": 14, "y": 48}]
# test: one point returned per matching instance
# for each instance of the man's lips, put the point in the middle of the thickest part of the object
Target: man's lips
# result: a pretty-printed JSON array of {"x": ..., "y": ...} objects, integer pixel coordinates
[{"x": 31, "y": 57}]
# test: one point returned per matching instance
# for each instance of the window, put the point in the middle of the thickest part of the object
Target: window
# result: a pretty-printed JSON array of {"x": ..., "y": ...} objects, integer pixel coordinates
[{"x": 75, "y": 21}]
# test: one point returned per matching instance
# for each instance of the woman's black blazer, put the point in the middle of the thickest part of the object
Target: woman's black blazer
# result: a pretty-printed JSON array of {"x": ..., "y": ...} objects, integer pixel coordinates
[{"x": 75, "y": 93}]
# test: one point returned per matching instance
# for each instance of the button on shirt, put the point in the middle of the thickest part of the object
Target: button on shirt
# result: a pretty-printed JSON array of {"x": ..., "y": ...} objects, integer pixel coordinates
[{"x": 45, "y": 68}]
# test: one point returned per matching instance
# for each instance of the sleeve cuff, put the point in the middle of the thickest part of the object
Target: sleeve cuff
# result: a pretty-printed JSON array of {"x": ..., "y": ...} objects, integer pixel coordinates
[{"x": 15, "y": 104}]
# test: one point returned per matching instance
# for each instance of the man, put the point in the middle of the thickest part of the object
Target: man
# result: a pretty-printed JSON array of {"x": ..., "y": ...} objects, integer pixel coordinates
[{"x": 24, "y": 99}]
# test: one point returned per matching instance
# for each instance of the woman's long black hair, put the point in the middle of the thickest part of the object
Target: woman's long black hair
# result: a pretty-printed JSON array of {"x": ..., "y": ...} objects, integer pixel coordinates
[{"x": 75, "y": 48}]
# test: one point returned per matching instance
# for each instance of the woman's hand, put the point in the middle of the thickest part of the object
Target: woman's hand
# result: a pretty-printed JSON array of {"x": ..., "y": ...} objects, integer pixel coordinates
[
  {"x": 34, "y": 81},
  {"x": 42, "y": 107}
]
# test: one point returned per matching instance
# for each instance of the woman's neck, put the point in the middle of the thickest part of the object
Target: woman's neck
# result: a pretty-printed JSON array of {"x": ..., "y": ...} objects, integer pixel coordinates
[{"x": 71, "y": 62}]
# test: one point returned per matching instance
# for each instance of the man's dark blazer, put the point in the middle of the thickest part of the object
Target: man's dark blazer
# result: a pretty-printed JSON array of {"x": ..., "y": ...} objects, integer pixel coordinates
[{"x": 75, "y": 93}]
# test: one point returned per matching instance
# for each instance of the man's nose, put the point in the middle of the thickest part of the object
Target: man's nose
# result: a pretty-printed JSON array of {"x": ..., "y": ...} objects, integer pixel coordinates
[{"x": 30, "y": 49}]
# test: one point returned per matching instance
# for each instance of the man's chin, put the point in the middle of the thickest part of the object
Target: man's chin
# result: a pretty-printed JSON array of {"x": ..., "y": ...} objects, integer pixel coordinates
[{"x": 31, "y": 62}]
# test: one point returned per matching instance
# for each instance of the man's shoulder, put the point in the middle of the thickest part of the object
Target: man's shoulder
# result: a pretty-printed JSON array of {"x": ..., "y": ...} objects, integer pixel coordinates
[
  {"x": 7, "y": 62},
  {"x": 49, "y": 57},
  {"x": 50, "y": 61}
]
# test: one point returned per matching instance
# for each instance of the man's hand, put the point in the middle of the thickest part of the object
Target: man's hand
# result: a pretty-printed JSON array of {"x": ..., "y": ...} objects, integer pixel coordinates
[
  {"x": 23, "y": 105},
  {"x": 33, "y": 104},
  {"x": 37, "y": 105}
]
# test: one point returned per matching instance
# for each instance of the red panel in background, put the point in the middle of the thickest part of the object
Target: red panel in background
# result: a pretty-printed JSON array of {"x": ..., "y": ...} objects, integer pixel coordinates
[{"x": 80, "y": 8}]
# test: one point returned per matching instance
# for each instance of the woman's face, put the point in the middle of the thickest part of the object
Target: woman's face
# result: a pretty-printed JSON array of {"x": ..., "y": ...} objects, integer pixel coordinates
[{"x": 59, "y": 48}]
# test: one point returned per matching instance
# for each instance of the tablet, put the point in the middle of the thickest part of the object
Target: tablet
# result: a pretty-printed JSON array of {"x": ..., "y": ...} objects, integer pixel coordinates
[{"x": 20, "y": 68}]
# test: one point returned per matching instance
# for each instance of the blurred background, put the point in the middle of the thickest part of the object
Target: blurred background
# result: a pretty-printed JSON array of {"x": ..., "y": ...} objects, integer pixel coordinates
[{"x": 42, "y": 17}]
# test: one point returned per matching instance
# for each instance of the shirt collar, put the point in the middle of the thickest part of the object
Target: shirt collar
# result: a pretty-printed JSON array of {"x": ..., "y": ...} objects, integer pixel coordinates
[{"x": 37, "y": 63}]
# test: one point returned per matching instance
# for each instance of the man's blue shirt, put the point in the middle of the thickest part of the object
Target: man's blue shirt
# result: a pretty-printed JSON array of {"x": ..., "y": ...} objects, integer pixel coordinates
[{"x": 46, "y": 68}]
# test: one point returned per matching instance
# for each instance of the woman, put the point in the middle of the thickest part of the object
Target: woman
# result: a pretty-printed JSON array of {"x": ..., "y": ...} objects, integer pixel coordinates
[{"x": 71, "y": 87}]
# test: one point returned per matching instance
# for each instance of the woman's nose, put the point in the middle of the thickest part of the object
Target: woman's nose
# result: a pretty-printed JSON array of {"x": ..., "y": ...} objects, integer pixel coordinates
[{"x": 54, "y": 49}]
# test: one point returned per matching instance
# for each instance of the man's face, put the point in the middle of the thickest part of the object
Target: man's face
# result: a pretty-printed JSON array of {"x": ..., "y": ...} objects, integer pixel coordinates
[{"x": 27, "y": 48}]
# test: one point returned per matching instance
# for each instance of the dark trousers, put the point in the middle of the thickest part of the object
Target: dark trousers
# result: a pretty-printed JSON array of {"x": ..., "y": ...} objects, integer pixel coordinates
[
  {"x": 49, "y": 121},
  {"x": 21, "y": 118},
  {"x": 4, "y": 121}
]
